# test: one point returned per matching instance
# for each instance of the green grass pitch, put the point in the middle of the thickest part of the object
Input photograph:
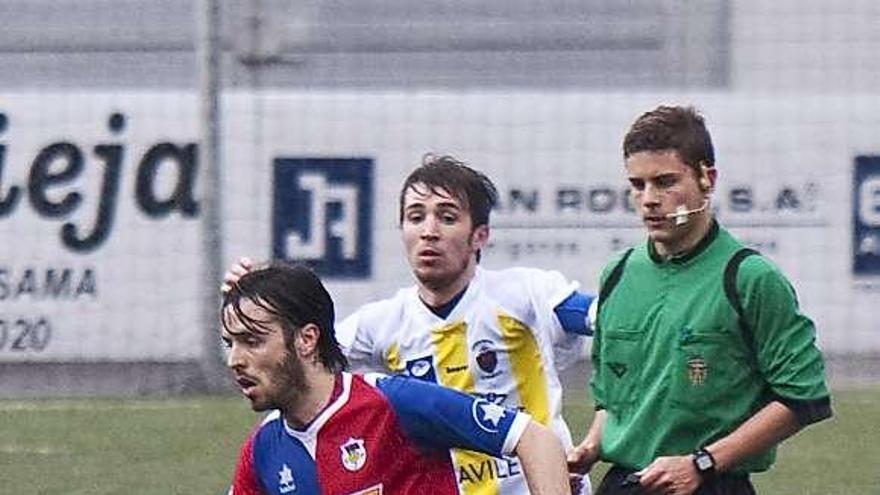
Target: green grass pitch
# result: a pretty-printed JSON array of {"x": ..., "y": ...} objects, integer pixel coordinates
[{"x": 189, "y": 445}]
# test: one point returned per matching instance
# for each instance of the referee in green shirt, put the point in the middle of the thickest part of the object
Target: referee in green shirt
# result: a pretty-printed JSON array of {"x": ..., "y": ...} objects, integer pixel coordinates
[{"x": 702, "y": 361}]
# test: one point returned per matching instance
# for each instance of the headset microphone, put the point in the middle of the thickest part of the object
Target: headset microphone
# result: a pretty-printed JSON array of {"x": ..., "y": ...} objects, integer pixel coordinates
[{"x": 682, "y": 214}]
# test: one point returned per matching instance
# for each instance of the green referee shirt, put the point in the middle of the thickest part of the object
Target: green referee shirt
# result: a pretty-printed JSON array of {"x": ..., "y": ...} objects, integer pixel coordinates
[{"x": 674, "y": 368}]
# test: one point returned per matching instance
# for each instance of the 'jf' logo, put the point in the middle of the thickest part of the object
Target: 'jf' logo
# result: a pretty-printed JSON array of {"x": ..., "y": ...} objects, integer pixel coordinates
[
  {"x": 322, "y": 213},
  {"x": 866, "y": 216}
]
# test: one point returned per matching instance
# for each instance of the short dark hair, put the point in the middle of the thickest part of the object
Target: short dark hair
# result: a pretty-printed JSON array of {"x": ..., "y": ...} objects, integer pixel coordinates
[
  {"x": 441, "y": 173},
  {"x": 672, "y": 128},
  {"x": 293, "y": 294}
]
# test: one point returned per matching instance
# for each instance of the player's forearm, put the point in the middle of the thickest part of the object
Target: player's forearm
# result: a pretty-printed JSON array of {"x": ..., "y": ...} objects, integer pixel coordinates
[
  {"x": 593, "y": 438},
  {"x": 594, "y": 435},
  {"x": 543, "y": 461},
  {"x": 769, "y": 426},
  {"x": 584, "y": 455}
]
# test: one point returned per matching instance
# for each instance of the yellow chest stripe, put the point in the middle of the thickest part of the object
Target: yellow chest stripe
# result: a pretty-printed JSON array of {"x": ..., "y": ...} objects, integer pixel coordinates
[{"x": 527, "y": 367}]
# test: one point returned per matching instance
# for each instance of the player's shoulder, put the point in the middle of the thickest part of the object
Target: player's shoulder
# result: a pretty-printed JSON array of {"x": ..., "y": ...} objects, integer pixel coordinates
[
  {"x": 271, "y": 419},
  {"x": 391, "y": 384},
  {"x": 389, "y": 309},
  {"x": 384, "y": 382},
  {"x": 274, "y": 415},
  {"x": 523, "y": 291},
  {"x": 758, "y": 269},
  {"x": 513, "y": 271},
  {"x": 758, "y": 264},
  {"x": 371, "y": 379},
  {"x": 518, "y": 277},
  {"x": 629, "y": 258},
  {"x": 509, "y": 287},
  {"x": 266, "y": 428},
  {"x": 751, "y": 264},
  {"x": 406, "y": 394},
  {"x": 361, "y": 387},
  {"x": 394, "y": 390}
]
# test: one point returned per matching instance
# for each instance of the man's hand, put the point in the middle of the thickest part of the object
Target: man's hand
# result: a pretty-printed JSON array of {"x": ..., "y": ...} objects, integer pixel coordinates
[
  {"x": 582, "y": 457},
  {"x": 235, "y": 272},
  {"x": 580, "y": 460},
  {"x": 675, "y": 475}
]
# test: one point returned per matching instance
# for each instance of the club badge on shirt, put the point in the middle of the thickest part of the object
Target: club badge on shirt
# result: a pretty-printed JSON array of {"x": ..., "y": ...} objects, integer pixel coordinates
[
  {"x": 354, "y": 454},
  {"x": 697, "y": 370},
  {"x": 486, "y": 357}
]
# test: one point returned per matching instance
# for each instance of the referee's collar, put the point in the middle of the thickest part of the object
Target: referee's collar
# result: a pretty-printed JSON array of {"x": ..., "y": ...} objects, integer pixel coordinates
[{"x": 688, "y": 255}]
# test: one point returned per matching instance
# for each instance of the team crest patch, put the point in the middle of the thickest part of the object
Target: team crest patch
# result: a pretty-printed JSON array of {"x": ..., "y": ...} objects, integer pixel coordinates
[
  {"x": 487, "y": 356},
  {"x": 697, "y": 371},
  {"x": 354, "y": 454}
]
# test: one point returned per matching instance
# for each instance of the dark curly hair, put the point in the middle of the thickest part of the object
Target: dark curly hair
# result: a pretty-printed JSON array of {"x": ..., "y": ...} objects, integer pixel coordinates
[{"x": 294, "y": 295}]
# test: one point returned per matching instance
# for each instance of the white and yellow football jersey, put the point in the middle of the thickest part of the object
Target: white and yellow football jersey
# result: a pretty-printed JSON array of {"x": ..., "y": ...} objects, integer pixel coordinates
[{"x": 501, "y": 341}]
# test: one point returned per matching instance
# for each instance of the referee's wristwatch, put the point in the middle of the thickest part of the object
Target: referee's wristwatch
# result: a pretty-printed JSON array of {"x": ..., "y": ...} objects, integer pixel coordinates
[{"x": 705, "y": 463}]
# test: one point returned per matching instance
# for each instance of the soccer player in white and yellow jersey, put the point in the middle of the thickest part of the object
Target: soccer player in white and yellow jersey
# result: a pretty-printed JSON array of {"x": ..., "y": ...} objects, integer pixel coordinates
[{"x": 501, "y": 335}]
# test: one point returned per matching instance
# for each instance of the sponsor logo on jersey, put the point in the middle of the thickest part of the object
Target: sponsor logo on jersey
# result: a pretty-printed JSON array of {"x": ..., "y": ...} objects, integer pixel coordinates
[
  {"x": 285, "y": 480},
  {"x": 456, "y": 369},
  {"x": 486, "y": 357},
  {"x": 354, "y": 454},
  {"x": 488, "y": 415},
  {"x": 697, "y": 371},
  {"x": 489, "y": 468}
]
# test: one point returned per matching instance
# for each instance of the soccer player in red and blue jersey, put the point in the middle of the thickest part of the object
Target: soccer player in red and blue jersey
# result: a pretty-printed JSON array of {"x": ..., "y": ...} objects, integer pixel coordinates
[
  {"x": 332, "y": 432},
  {"x": 503, "y": 335}
]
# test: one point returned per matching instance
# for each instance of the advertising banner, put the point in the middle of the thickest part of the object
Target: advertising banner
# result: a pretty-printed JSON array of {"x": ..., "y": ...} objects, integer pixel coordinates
[{"x": 100, "y": 203}]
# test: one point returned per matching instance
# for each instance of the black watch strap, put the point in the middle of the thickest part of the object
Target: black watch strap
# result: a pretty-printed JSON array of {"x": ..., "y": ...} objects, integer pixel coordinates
[{"x": 704, "y": 462}]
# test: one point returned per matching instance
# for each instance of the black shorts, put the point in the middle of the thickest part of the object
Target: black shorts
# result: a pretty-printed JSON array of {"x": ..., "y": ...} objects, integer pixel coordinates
[{"x": 614, "y": 484}]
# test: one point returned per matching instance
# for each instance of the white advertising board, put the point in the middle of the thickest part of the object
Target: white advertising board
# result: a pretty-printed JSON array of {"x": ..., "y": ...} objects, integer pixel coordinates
[
  {"x": 99, "y": 221},
  {"x": 100, "y": 261}
]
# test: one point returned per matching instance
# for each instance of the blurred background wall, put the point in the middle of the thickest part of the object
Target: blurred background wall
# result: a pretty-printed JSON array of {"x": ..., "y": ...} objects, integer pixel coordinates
[{"x": 114, "y": 223}]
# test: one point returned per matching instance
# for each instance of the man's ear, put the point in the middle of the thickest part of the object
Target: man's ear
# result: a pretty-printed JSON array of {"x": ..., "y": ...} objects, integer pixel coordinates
[
  {"x": 480, "y": 237},
  {"x": 306, "y": 341},
  {"x": 708, "y": 176}
]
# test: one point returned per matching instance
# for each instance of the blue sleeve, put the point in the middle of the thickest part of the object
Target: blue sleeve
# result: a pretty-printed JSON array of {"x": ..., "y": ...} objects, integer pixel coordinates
[
  {"x": 436, "y": 417},
  {"x": 573, "y": 313}
]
